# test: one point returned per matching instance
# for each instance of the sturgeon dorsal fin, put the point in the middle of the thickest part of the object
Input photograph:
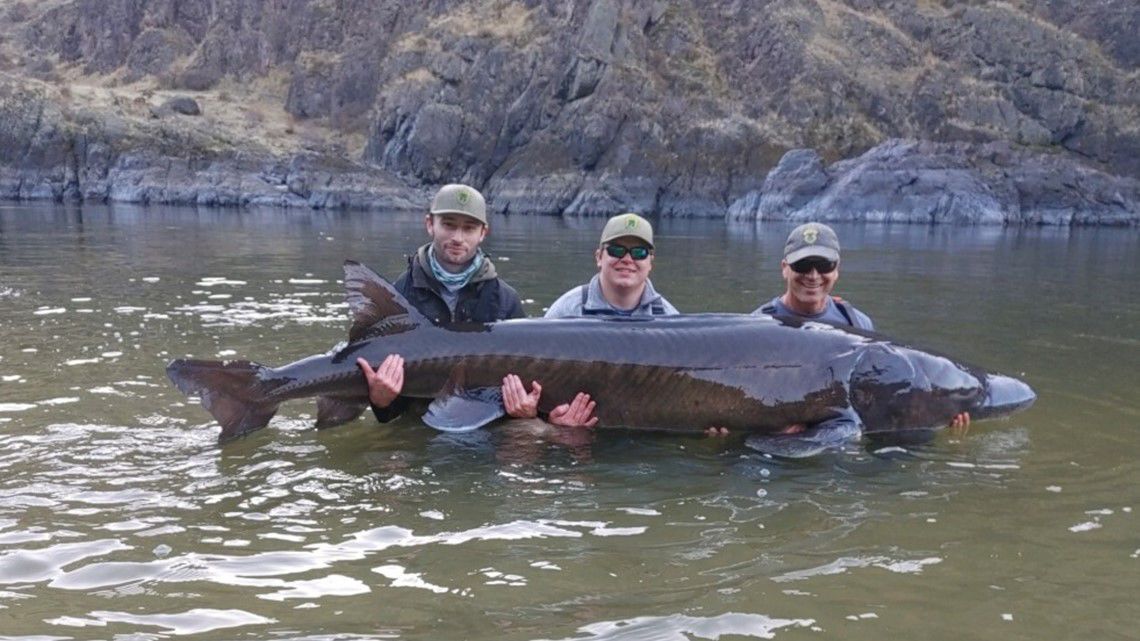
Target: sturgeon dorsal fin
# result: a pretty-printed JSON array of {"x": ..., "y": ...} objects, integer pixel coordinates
[{"x": 377, "y": 308}]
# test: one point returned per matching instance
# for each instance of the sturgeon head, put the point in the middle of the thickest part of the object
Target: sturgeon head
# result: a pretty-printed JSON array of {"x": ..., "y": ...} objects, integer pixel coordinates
[{"x": 895, "y": 388}]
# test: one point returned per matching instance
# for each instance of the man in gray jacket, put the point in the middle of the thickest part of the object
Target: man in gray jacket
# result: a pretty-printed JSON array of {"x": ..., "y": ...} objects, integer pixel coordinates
[{"x": 621, "y": 288}]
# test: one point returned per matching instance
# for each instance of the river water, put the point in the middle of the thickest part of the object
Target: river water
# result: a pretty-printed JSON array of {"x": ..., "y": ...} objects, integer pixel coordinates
[{"x": 122, "y": 518}]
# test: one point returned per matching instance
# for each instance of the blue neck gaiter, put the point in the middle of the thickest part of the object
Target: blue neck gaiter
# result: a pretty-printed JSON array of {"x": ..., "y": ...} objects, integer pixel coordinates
[{"x": 454, "y": 282}]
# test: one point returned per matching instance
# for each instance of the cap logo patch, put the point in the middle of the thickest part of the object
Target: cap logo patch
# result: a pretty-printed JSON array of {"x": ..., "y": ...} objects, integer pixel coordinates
[
  {"x": 462, "y": 196},
  {"x": 811, "y": 234},
  {"x": 631, "y": 223}
]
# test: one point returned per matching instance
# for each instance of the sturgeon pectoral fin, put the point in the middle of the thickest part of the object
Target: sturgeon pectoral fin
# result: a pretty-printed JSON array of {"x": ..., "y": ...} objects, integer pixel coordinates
[
  {"x": 464, "y": 410},
  {"x": 828, "y": 435},
  {"x": 333, "y": 411}
]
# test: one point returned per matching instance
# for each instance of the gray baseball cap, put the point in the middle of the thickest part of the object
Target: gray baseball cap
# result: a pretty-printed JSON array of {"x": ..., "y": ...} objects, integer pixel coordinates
[
  {"x": 811, "y": 239},
  {"x": 460, "y": 199},
  {"x": 627, "y": 225}
]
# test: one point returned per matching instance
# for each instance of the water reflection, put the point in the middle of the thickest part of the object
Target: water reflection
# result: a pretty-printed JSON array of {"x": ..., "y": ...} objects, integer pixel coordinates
[{"x": 683, "y": 628}]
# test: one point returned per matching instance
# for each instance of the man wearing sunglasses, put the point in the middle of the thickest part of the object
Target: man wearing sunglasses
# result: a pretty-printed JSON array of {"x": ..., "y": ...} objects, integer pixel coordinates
[
  {"x": 621, "y": 288},
  {"x": 811, "y": 268},
  {"x": 448, "y": 280}
]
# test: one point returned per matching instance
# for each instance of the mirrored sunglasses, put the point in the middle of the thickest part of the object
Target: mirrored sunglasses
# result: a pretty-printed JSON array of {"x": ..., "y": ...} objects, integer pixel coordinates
[
  {"x": 821, "y": 265},
  {"x": 637, "y": 253}
]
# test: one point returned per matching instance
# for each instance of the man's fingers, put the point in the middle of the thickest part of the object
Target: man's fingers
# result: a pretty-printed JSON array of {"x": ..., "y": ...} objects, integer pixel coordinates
[
  {"x": 369, "y": 373},
  {"x": 581, "y": 410},
  {"x": 394, "y": 363},
  {"x": 512, "y": 400},
  {"x": 585, "y": 406},
  {"x": 535, "y": 389},
  {"x": 394, "y": 369}
]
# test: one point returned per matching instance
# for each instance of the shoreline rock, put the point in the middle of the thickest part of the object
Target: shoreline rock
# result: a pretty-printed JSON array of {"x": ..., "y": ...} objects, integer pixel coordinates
[
  {"x": 925, "y": 182},
  {"x": 899, "y": 181},
  {"x": 49, "y": 151}
]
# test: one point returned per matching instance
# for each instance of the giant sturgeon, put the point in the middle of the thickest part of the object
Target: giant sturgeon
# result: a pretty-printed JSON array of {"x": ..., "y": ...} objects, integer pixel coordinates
[{"x": 751, "y": 374}]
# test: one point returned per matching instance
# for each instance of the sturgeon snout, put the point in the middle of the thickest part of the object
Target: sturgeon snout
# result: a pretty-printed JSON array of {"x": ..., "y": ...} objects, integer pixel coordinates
[{"x": 1004, "y": 396}]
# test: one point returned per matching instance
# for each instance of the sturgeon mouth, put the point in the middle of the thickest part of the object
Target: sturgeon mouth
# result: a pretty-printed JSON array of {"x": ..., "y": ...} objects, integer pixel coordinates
[{"x": 1004, "y": 396}]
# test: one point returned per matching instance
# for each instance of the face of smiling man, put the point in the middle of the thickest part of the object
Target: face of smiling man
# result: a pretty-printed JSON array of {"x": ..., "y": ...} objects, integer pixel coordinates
[
  {"x": 624, "y": 276},
  {"x": 810, "y": 268},
  {"x": 807, "y": 292}
]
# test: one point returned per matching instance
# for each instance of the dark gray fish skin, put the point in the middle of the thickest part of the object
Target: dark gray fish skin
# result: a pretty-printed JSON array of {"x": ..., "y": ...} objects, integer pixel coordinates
[{"x": 751, "y": 374}]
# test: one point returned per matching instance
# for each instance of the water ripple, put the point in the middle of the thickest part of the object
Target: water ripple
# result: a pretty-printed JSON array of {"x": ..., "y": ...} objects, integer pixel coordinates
[
  {"x": 46, "y": 564},
  {"x": 843, "y": 564},
  {"x": 196, "y": 621},
  {"x": 679, "y": 627}
]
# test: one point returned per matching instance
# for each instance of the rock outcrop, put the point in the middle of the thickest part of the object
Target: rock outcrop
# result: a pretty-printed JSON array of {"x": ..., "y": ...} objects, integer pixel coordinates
[
  {"x": 591, "y": 106},
  {"x": 925, "y": 182},
  {"x": 51, "y": 151}
]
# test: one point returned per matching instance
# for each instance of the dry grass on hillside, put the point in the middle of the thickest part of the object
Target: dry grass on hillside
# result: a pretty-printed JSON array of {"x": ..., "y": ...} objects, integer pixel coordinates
[
  {"x": 240, "y": 114},
  {"x": 504, "y": 20}
]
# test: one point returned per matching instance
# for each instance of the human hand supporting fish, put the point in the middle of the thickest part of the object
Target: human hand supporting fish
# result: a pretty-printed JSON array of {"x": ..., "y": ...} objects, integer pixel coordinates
[
  {"x": 960, "y": 424},
  {"x": 517, "y": 401},
  {"x": 520, "y": 403},
  {"x": 386, "y": 381},
  {"x": 577, "y": 413}
]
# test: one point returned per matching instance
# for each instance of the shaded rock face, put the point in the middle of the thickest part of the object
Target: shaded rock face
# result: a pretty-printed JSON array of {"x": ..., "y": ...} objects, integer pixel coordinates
[
  {"x": 155, "y": 51},
  {"x": 925, "y": 182},
  {"x": 47, "y": 154},
  {"x": 678, "y": 108}
]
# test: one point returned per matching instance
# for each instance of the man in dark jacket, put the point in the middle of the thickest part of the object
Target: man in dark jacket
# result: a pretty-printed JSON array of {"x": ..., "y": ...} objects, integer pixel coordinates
[{"x": 448, "y": 280}]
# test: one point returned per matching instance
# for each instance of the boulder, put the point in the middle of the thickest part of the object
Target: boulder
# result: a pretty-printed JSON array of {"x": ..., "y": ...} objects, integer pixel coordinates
[
  {"x": 922, "y": 182},
  {"x": 184, "y": 105}
]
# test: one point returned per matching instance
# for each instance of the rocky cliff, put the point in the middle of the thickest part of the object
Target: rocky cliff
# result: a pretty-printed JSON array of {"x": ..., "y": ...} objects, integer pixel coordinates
[{"x": 921, "y": 111}]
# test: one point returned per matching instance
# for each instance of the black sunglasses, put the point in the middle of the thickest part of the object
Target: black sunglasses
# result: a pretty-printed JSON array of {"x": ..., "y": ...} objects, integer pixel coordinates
[
  {"x": 637, "y": 253},
  {"x": 821, "y": 265}
]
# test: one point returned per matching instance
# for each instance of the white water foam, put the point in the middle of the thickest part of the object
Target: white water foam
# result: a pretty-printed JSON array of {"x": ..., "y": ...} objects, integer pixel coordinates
[
  {"x": 401, "y": 578},
  {"x": 196, "y": 621},
  {"x": 843, "y": 564}
]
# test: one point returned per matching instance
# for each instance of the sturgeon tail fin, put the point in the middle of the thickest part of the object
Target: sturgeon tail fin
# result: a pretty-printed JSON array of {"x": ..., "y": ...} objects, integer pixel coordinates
[{"x": 234, "y": 392}]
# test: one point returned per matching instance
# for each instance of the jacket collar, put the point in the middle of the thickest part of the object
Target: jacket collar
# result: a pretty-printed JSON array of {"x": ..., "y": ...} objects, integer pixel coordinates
[
  {"x": 423, "y": 278},
  {"x": 595, "y": 299}
]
